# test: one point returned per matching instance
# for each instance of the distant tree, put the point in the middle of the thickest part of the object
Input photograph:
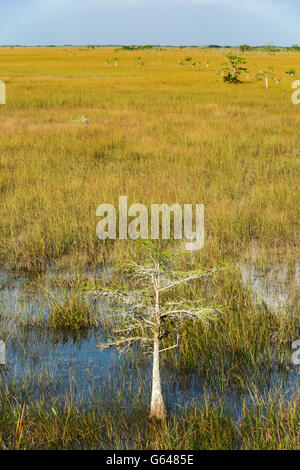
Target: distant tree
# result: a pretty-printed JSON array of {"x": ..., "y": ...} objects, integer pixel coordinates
[
  {"x": 234, "y": 67},
  {"x": 267, "y": 75},
  {"x": 138, "y": 61},
  {"x": 271, "y": 48},
  {"x": 245, "y": 47},
  {"x": 188, "y": 60},
  {"x": 291, "y": 72}
]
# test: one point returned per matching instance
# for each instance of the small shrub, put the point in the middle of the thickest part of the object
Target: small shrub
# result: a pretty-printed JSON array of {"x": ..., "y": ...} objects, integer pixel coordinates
[
  {"x": 138, "y": 61},
  {"x": 245, "y": 47},
  {"x": 291, "y": 72},
  {"x": 73, "y": 314}
]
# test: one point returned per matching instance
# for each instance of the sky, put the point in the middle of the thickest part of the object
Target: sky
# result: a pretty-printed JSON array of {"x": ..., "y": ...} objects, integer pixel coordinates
[{"x": 165, "y": 22}]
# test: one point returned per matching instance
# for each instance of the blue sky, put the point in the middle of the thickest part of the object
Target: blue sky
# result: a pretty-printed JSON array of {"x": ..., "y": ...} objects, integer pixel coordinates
[{"x": 168, "y": 22}]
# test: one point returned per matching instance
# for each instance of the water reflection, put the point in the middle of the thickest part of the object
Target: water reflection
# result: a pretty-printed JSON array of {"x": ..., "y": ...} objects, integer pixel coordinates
[{"x": 277, "y": 288}]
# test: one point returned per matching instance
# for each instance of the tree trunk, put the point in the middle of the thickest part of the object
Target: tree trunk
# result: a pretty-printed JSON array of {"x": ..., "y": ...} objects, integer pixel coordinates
[
  {"x": 157, "y": 409},
  {"x": 267, "y": 83}
]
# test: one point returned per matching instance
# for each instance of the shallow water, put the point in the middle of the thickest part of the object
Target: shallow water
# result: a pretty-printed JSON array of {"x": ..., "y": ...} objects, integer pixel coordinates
[
  {"x": 276, "y": 288},
  {"x": 46, "y": 366}
]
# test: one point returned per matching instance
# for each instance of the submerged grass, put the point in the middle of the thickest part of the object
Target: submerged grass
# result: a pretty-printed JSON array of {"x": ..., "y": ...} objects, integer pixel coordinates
[
  {"x": 265, "y": 425},
  {"x": 72, "y": 314}
]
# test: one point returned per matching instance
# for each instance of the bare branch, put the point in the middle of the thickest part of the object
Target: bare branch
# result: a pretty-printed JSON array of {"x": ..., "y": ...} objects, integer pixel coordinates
[
  {"x": 189, "y": 277},
  {"x": 133, "y": 297},
  {"x": 116, "y": 343},
  {"x": 171, "y": 347}
]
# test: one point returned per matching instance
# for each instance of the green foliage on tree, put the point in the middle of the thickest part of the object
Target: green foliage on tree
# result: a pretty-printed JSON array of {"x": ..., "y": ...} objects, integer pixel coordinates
[
  {"x": 233, "y": 69},
  {"x": 245, "y": 47}
]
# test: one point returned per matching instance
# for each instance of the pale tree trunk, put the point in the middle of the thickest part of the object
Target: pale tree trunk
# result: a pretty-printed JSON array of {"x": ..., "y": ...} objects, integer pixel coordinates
[
  {"x": 267, "y": 83},
  {"x": 157, "y": 408}
]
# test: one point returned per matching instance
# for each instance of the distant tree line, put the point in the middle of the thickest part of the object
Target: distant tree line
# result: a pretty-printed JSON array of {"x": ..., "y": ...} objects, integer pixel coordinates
[{"x": 243, "y": 47}]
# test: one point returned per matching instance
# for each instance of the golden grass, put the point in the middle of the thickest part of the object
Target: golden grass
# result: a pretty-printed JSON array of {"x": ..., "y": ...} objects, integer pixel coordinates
[{"x": 157, "y": 133}]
